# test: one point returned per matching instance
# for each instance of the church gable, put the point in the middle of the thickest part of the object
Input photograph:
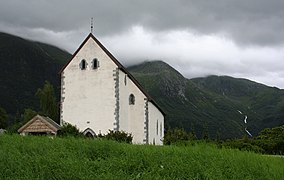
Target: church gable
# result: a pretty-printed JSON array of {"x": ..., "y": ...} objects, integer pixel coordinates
[
  {"x": 88, "y": 88},
  {"x": 98, "y": 94},
  {"x": 105, "y": 52},
  {"x": 90, "y": 54}
]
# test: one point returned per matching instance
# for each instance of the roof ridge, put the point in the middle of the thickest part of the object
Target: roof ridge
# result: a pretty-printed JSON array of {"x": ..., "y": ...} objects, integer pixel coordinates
[{"x": 120, "y": 66}]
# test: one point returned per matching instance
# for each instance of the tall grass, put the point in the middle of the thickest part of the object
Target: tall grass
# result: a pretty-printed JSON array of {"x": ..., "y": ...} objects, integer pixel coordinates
[{"x": 70, "y": 158}]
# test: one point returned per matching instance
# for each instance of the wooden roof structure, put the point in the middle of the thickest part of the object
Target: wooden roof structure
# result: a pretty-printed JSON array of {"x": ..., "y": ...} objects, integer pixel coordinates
[
  {"x": 40, "y": 124},
  {"x": 2, "y": 131}
]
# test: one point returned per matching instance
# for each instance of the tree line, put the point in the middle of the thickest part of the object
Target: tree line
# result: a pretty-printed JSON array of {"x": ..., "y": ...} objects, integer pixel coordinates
[
  {"x": 48, "y": 107},
  {"x": 269, "y": 140}
]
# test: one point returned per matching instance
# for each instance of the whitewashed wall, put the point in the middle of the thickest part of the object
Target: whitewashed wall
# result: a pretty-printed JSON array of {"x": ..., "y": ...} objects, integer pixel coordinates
[
  {"x": 156, "y": 125},
  {"x": 123, "y": 101},
  {"x": 88, "y": 96},
  {"x": 135, "y": 116},
  {"x": 99, "y": 98}
]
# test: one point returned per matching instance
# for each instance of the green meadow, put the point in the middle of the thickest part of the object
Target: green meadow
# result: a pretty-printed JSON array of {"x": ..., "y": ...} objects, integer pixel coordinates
[{"x": 34, "y": 157}]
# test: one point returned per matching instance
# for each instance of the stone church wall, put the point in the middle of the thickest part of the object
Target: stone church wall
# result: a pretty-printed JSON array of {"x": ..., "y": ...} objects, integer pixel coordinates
[{"x": 88, "y": 96}]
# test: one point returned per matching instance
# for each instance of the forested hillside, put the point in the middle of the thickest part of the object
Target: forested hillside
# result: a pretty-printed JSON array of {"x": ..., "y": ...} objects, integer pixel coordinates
[
  {"x": 217, "y": 105},
  {"x": 25, "y": 65},
  {"x": 214, "y": 105}
]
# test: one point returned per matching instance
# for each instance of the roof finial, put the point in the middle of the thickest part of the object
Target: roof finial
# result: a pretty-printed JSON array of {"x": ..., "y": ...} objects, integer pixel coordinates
[{"x": 92, "y": 26}]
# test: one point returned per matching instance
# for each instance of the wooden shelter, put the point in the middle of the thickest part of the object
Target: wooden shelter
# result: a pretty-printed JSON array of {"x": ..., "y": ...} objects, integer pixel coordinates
[
  {"x": 40, "y": 125},
  {"x": 2, "y": 131}
]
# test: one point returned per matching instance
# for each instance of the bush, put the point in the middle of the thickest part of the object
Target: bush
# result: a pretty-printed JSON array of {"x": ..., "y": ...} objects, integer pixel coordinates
[
  {"x": 119, "y": 136},
  {"x": 69, "y": 130},
  {"x": 3, "y": 118},
  {"x": 177, "y": 136}
]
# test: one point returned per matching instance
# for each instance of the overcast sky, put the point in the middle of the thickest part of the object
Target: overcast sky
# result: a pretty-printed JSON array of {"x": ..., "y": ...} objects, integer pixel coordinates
[{"x": 239, "y": 38}]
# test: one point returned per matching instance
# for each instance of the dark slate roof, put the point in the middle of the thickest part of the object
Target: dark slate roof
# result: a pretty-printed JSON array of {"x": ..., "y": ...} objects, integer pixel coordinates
[{"x": 120, "y": 66}]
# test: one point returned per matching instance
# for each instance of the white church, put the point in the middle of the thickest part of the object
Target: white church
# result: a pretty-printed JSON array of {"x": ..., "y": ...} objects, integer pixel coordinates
[{"x": 98, "y": 94}]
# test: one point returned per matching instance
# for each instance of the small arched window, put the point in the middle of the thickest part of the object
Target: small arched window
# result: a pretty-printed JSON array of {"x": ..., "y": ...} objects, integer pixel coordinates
[
  {"x": 95, "y": 63},
  {"x": 125, "y": 80},
  {"x": 131, "y": 99},
  {"x": 83, "y": 64},
  {"x": 161, "y": 129},
  {"x": 157, "y": 128}
]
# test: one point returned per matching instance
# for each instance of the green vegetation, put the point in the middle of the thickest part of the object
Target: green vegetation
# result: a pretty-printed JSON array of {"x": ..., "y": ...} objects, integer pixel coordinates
[
  {"x": 269, "y": 141},
  {"x": 174, "y": 136},
  {"x": 68, "y": 130},
  {"x": 48, "y": 107},
  {"x": 48, "y": 103},
  {"x": 3, "y": 118},
  {"x": 119, "y": 136},
  {"x": 20, "y": 120},
  {"x": 211, "y": 105},
  {"x": 25, "y": 66},
  {"x": 34, "y": 157}
]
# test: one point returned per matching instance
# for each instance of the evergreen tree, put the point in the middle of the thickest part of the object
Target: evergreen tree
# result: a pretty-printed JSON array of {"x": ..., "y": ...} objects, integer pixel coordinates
[
  {"x": 28, "y": 115},
  {"x": 47, "y": 100},
  {"x": 205, "y": 133},
  {"x": 175, "y": 135},
  {"x": 3, "y": 118}
]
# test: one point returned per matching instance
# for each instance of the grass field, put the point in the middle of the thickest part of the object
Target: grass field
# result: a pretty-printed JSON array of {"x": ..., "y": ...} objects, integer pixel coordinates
[{"x": 69, "y": 158}]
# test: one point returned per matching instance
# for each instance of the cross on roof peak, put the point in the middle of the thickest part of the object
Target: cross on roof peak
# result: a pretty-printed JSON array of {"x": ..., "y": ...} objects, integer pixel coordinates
[{"x": 92, "y": 25}]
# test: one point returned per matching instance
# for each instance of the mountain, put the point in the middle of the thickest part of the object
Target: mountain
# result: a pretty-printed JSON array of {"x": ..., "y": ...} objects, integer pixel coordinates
[
  {"x": 263, "y": 105},
  {"x": 25, "y": 65},
  {"x": 215, "y": 104}
]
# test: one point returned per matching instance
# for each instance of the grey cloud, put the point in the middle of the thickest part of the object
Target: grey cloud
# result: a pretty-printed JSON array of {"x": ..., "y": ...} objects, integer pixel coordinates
[
  {"x": 242, "y": 38},
  {"x": 246, "y": 21}
]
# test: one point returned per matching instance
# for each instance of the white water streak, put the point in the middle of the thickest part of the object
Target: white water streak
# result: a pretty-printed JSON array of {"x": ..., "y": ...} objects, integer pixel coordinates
[
  {"x": 248, "y": 132},
  {"x": 245, "y": 120},
  {"x": 240, "y": 112}
]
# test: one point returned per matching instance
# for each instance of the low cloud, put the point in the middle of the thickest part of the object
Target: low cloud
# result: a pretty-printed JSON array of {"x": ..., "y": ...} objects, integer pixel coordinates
[
  {"x": 198, "y": 55},
  {"x": 199, "y": 38}
]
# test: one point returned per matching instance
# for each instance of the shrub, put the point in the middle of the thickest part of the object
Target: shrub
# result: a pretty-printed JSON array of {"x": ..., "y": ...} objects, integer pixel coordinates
[
  {"x": 3, "y": 118},
  {"x": 119, "y": 136},
  {"x": 176, "y": 136},
  {"x": 69, "y": 130}
]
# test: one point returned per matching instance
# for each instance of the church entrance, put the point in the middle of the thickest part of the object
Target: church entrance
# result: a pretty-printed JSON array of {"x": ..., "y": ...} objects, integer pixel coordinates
[{"x": 89, "y": 133}]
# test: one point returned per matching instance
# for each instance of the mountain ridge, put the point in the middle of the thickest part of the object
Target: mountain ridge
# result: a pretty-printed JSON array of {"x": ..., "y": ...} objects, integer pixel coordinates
[
  {"x": 25, "y": 65},
  {"x": 210, "y": 103},
  {"x": 213, "y": 102}
]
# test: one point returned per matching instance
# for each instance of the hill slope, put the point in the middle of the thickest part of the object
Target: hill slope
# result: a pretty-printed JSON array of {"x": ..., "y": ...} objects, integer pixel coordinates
[
  {"x": 263, "y": 105},
  {"x": 211, "y": 104},
  {"x": 25, "y": 65},
  {"x": 91, "y": 159}
]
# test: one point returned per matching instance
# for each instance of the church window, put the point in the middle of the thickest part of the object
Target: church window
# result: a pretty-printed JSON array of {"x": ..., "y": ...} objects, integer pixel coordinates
[
  {"x": 131, "y": 99},
  {"x": 161, "y": 129},
  {"x": 157, "y": 127},
  {"x": 125, "y": 80},
  {"x": 83, "y": 64},
  {"x": 95, "y": 63}
]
